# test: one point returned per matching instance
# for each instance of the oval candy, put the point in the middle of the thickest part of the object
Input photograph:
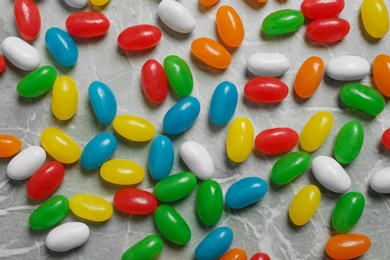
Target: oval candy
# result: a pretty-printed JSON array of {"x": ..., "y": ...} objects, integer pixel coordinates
[
  {"x": 315, "y": 131},
  {"x": 380, "y": 180},
  {"x": 223, "y": 103},
  {"x": 87, "y": 24},
  {"x": 64, "y": 98},
  {"x": 328, "y": 30},
  {"x": 347, "y": 246},
  {"x": 161, "y": 157},
  {"x": 304, "y": 205},
  {"x": 197, "y": 159},
  {"x": 265, "y": 90},
  {"x": 386, "y": 138},
  {"x": 268, "y": 64},
  {"x": 347, "y": 68},
  {"x": 290, "y": 166},
  {"x": 76, "y": 3},
  {"x": 9, "y": 145},
  {"x": 375, "y": 17},
  {"x": 381, "y": 72},
  {"x": 276, "y": 140},
  {"x": 90, "y": 207},
  {"x": 179, "y": 75},
  {"x": 154, "y": 81},
  {"x": 176, "y": 16},
  {"x": 122, "y": 172},
  {"x": 245, "y": 192},
  {"x": 349, "y": 142},
  {"x": 25, "y": 163},
  {"x": 103, "y": 101},
  {"x": 282, "y": 22},
  {"x": 209, "y": 202},
  {"x": 321, "y": 9},
  {"x": 309, "y": 77},
  {"x": 139, "y": 37},
  {"x": 49, "y": 213},
  {"x": 37, "y": 82},
  {"x": 20, "y": 53},
  {"x": 135, "y": 201},
  {"x": 2, "y": 63},
  {"x": 175, "y": 187},
  {"x": 230, "y": 26},
  {"x": 99, "y": 2},
  {"x": 235, "y": 254},
  {"x": 61, "y": 46},
  {"x": 208, "y": 2},
  {"x": 260, "y": 256},
  {"x": 239, "y": 139},
  {"x": 215, "y": 244},
  {"x": 134, "y": 128},
  {"x": 211, "y": 53},
  {"x": 347, "y": 212},
  {"x": 149, "y": 247},
  {"x": 27, "y": 18},
  {"x": 67, "y": 236}
]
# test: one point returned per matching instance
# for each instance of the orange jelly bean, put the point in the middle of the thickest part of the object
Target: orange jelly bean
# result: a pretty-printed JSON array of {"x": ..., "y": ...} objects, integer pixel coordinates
[
  {"x": 235, "y": 254},
  {"x": 347, "y": 246},
  {"x": 230, "y": 26},
  {"x": 211, "y": 52},
  {"x": 9, "y": 145},
  {"x": 309, "y": 77},
  {"x": 208, "y": 2},
  {"x": 381, "y": 73}
]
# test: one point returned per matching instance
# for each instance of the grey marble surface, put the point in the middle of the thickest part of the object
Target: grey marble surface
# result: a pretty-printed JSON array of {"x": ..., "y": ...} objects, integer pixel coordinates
[{"x": 262, "y": 227}]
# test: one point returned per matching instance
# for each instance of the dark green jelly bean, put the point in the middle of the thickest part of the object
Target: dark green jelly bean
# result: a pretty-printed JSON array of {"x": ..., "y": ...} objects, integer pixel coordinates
[
  {"x": 179, "y": 75},
  {"x": 349, "y": 142},
  {"x": 37, "y": 82},
  {"x": 148, "y": 248},
  {"x": 363, "y": 98},
  {"x": 282, "y": 22},
  {"x": 349, "y": 208},
  {"x": 289, "y": 167},
  {"x": 175, "y": 187},
  {"x": 50, "y": 213},
  {"x": 209, "y": 202}
]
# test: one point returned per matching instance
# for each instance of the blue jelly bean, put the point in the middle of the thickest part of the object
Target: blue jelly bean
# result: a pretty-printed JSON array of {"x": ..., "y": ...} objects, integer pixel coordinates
[
  {"x": 223, "y": 103},
  {"x": 161, "y": 156},
  {"x": 98, "y": 150},
  {"x": 61, "y": 46},
  {"x": 215, "y": 244},
  {"x": 246, "y": 192},
  {"x": 103, "y": 101},
  {"x": 181, "y": 116}
]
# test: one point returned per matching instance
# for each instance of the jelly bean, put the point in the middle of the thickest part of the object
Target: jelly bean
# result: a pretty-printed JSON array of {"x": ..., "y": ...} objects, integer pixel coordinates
[
  {"x": 179, "y": 74},
  {"x": 27, "y": 18},
  {"x": 20, "y": 53},
  {"x": 50, "y": 213},
  {"x": 76, "y": 3},
  {"x": 309, "y": 77},
  {"x": 211, "y": 53},
  {"x": 381, "y": 72},
  {"x": 37, "y": 82},
  {"x": 235, "y": 254},
  {"x": 172, "y": 225},
  {"x": 2, "y": 64},
  {"x": 139, "y": 37},
  {"x": 181, "y": 116},
  {"x": 135, "y": 201},
  {"x": 223, "y": 103},
  {"x": 67, "y": 236},
  {"x": 175, "y": 187},
  {"x": 64, "y": 98},
  {"x": 347, "y": 68},
  {"x": 208, "y": 2},
  {"x": 268, "y": 64},
  {"x": 215, "y": 244},
  {"x": 229, "y": 25},
  {"x": 99, "y": 2},
  {"x": 330, "y": 174},
  {"x": 282, "y": 22},
  {"x": 265, "y": 90},
  {"x": 9, "y": 145},
  {"x": 161, "y": 157},
  {"x": 60, "y": 146},
  {"x": 349, "y": 142},
  {"x": 276, "y": 140},
  {"x": 315, "y": 131},
  {"x": 154, "y": 81},
  {"x": 148, "y": 248},
  {"x": 375, "y": 17},
  {"x": 239, "y": 139},
  {"x": 103, "y": 101},
  {"x": 386, "y": 138},
  {"x": 61, "y": 46},
  {"x": 261, "y": 1},
  {"x": 245, "y": 192},
  {"x": 134, "y": 128},
  {"x": 380, "y": 181},
  {"x": 176, "y": 16},
  {"x": 197, "y": 159},
  {"x": 87, "y": 24},
  {"x": 328, "y": 30},
  {"x": 321, "y": 9},
  {"x": 363, "y": 98},
  {"x": 304, "y": 205},
  {"x": 90, "y": 207},
  {"x": 25, "y": 163},
  {"x": 122, "y": 172},
  {"x": 209, "y": 202},
  {"x": 289, "y": 167},
  {"x": 349, "y": 208},
  {"x": 347, "y": 246},
  {"x": 260, "y": 256},
  {"x": 45, "y": 180},
  {"x": 98, "y": 150}
]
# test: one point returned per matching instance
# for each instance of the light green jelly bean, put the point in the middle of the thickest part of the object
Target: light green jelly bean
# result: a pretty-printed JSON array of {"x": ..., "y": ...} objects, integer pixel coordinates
[
  {"x": 282, "y": 22},
  {"x": 289, "y": 167},
  {"x": 175, "y": 187},
  {"x": 179, "y": 75},
  {"x": 349, "y": 142},
  {"x": 50, "y": 213},
  {"x": 209, "y": 202},
  {"x": 37, "y": 82},
  {"x": 148, "y": 248},
  {"x": 347, "y": 212}
]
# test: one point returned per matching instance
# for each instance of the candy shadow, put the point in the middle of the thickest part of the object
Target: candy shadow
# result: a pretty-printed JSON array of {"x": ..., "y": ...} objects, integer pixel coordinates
[
  {"x": 254, "y": 4},
  {"x": 354, "y": 111},
  {"x": 204, "y": 9},
  {"x": 170, "y": 32},
  {"x": 363, "y": 31},
  {"x": 135, "y": 54},
  {"x": 266, "y": 37},
  {"x": 324, "y": 45},
  {"x": 26, "y": 100},
  {"x": 258, "y": 105}
]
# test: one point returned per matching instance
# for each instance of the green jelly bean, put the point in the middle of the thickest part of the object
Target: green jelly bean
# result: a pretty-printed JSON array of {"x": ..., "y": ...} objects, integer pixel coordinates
[
  {"x": 175, "y": 187},
  {"x": 363, "y": 98},
  {"x": 209, "y": 202},
  {"x": 37, "y": 82},
  {"x": 50, "y": 213},
  {"x": 148, "y": 248},
  {"x": 172, "y": 225},
  {"x": 179, "y": 75},
  {"x": 282, "y": 22},
  {"x": 349, "y": 208},
  {"x": 349, "y": 142},
  {"x": 290, "y": 166}
]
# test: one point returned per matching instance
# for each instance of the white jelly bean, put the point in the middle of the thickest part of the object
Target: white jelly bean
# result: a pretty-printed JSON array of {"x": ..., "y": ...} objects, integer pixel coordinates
[
  {"x": 331, "y": 174},
  {"x": 76, "y": 3},
  {"x": 25, "y": 163},
  {"x": 20, "y": 53},
  {"x": 176, "y": 16},
  {"x": 268, "y": 64},
  {"x": 347, "y": 68},
  {"x": 67, "y": 236},
  {"x": 380, "y": 181},
  {"x": 198, "y": 159}
]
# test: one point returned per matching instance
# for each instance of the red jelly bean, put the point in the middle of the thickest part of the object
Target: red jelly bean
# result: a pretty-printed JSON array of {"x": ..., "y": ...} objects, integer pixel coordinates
[
  {"x": 87, "y": 24},
  {"x": 2, "y": 63},
  {"x": 321, "y": 9},
  {"x": 154, "y": 81},
  {"x": 328, "y": 30},
  {"x": 28, "y": 19},
  {"x": 139, "y": 37},
  {"x": 386, "y": 138},
  {"x": 45, "y": 180},
  {"x": 276, "y": 140},
  {"x": 135, "y": 201},
  {"x": 265, "y": 90},
  {"x": 260, "y": 256}
]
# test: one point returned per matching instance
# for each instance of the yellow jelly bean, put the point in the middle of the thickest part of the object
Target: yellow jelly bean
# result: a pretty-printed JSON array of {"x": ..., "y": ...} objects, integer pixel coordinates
[
  {"x": 122, "y": 172},
  {"x": 375, "y": 17},
  {"x": 60, "y": 146},
  {"x": 316, "y": 131},
  {"x": 64, "y": 98},
  {"x": 239, "y": 140},
  {"x": 304, "y": 205},
  {"x": 99, "y": 2},
  {"x": 90, "y": 207},
  {"x": 134, "y": 128}
]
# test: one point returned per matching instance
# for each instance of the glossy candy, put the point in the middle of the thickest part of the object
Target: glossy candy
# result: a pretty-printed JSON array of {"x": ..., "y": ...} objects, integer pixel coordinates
[
  {"x": 276, "y": 140},
  {"x": 260, "y": 256},
  {"x": 347, "y": 212},
  {"x": 25, "y": 163},
  {"x": 134, "y": 128},
  {"x": 347, "y": 68},
  {"x": 176, "y": 16},
  {"x": 139, "y": 37},
  {"x": 375, "y": 17},
  {"x": 235, "y": 254},
  {"x": 148, "y": 248},
  {"x": 61, "y": 46},
  {"x": 309, "y": 77},
  {"x": 179, "y": 74},
  {"x": 20, "y": 53},
  {"x": 211, "y": 53},
  {"x": 347, "y": 246},
  {"x": 304, "y": 205},
  {"x": 223, "y": 103},
  {"x": 2, "y": 63},
  {"x": 265, "y": 90},
  {"x": 154, "y": 81},
  {"x": 64, "y": 98},
  {"x": 161, "y": 157},
  {"x": 328, "y": 30},
  {"x": 175, "y": 187},
  {"x": 321, "y": 9},
  {"x": 37, "y": 82},
  {"x": 230, "y": 26},
  {"x": 245, "y": 192},
  {"x": 386, "y": 138},
  {"x": 27, "y": 18},
  {"x": 122, "y": 172},
  {"x": 135, "y": 201},
  {"x": 99, "y": 2},
  {"x": 76, "y": 3},
  {"x": 289, "y": 167},
  {"x": 239, "y": 139},
  {"x": 87, "y": 24},
  {"x": 103, "y": 101},
  {"x": 380, "y": 180},
  {"x": 268, "y": 64},
  {"x": 349, "y": 142},
  {"x": 90, "y": 207},
  {"x": 209, "y": 202},
  {"x": 282, "y": 22},
  {"x": 49, "y": 213},
  {"x": 315, "y": 131},
  {"x": 9, "y": 145},
  {"x": 67, "y": 236},
  {"x": 381, "y": 73},
  {"x": 208, "y": 2},
  {"x": 197, "y": 159},
  {"x": 215, "y": 244}
]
